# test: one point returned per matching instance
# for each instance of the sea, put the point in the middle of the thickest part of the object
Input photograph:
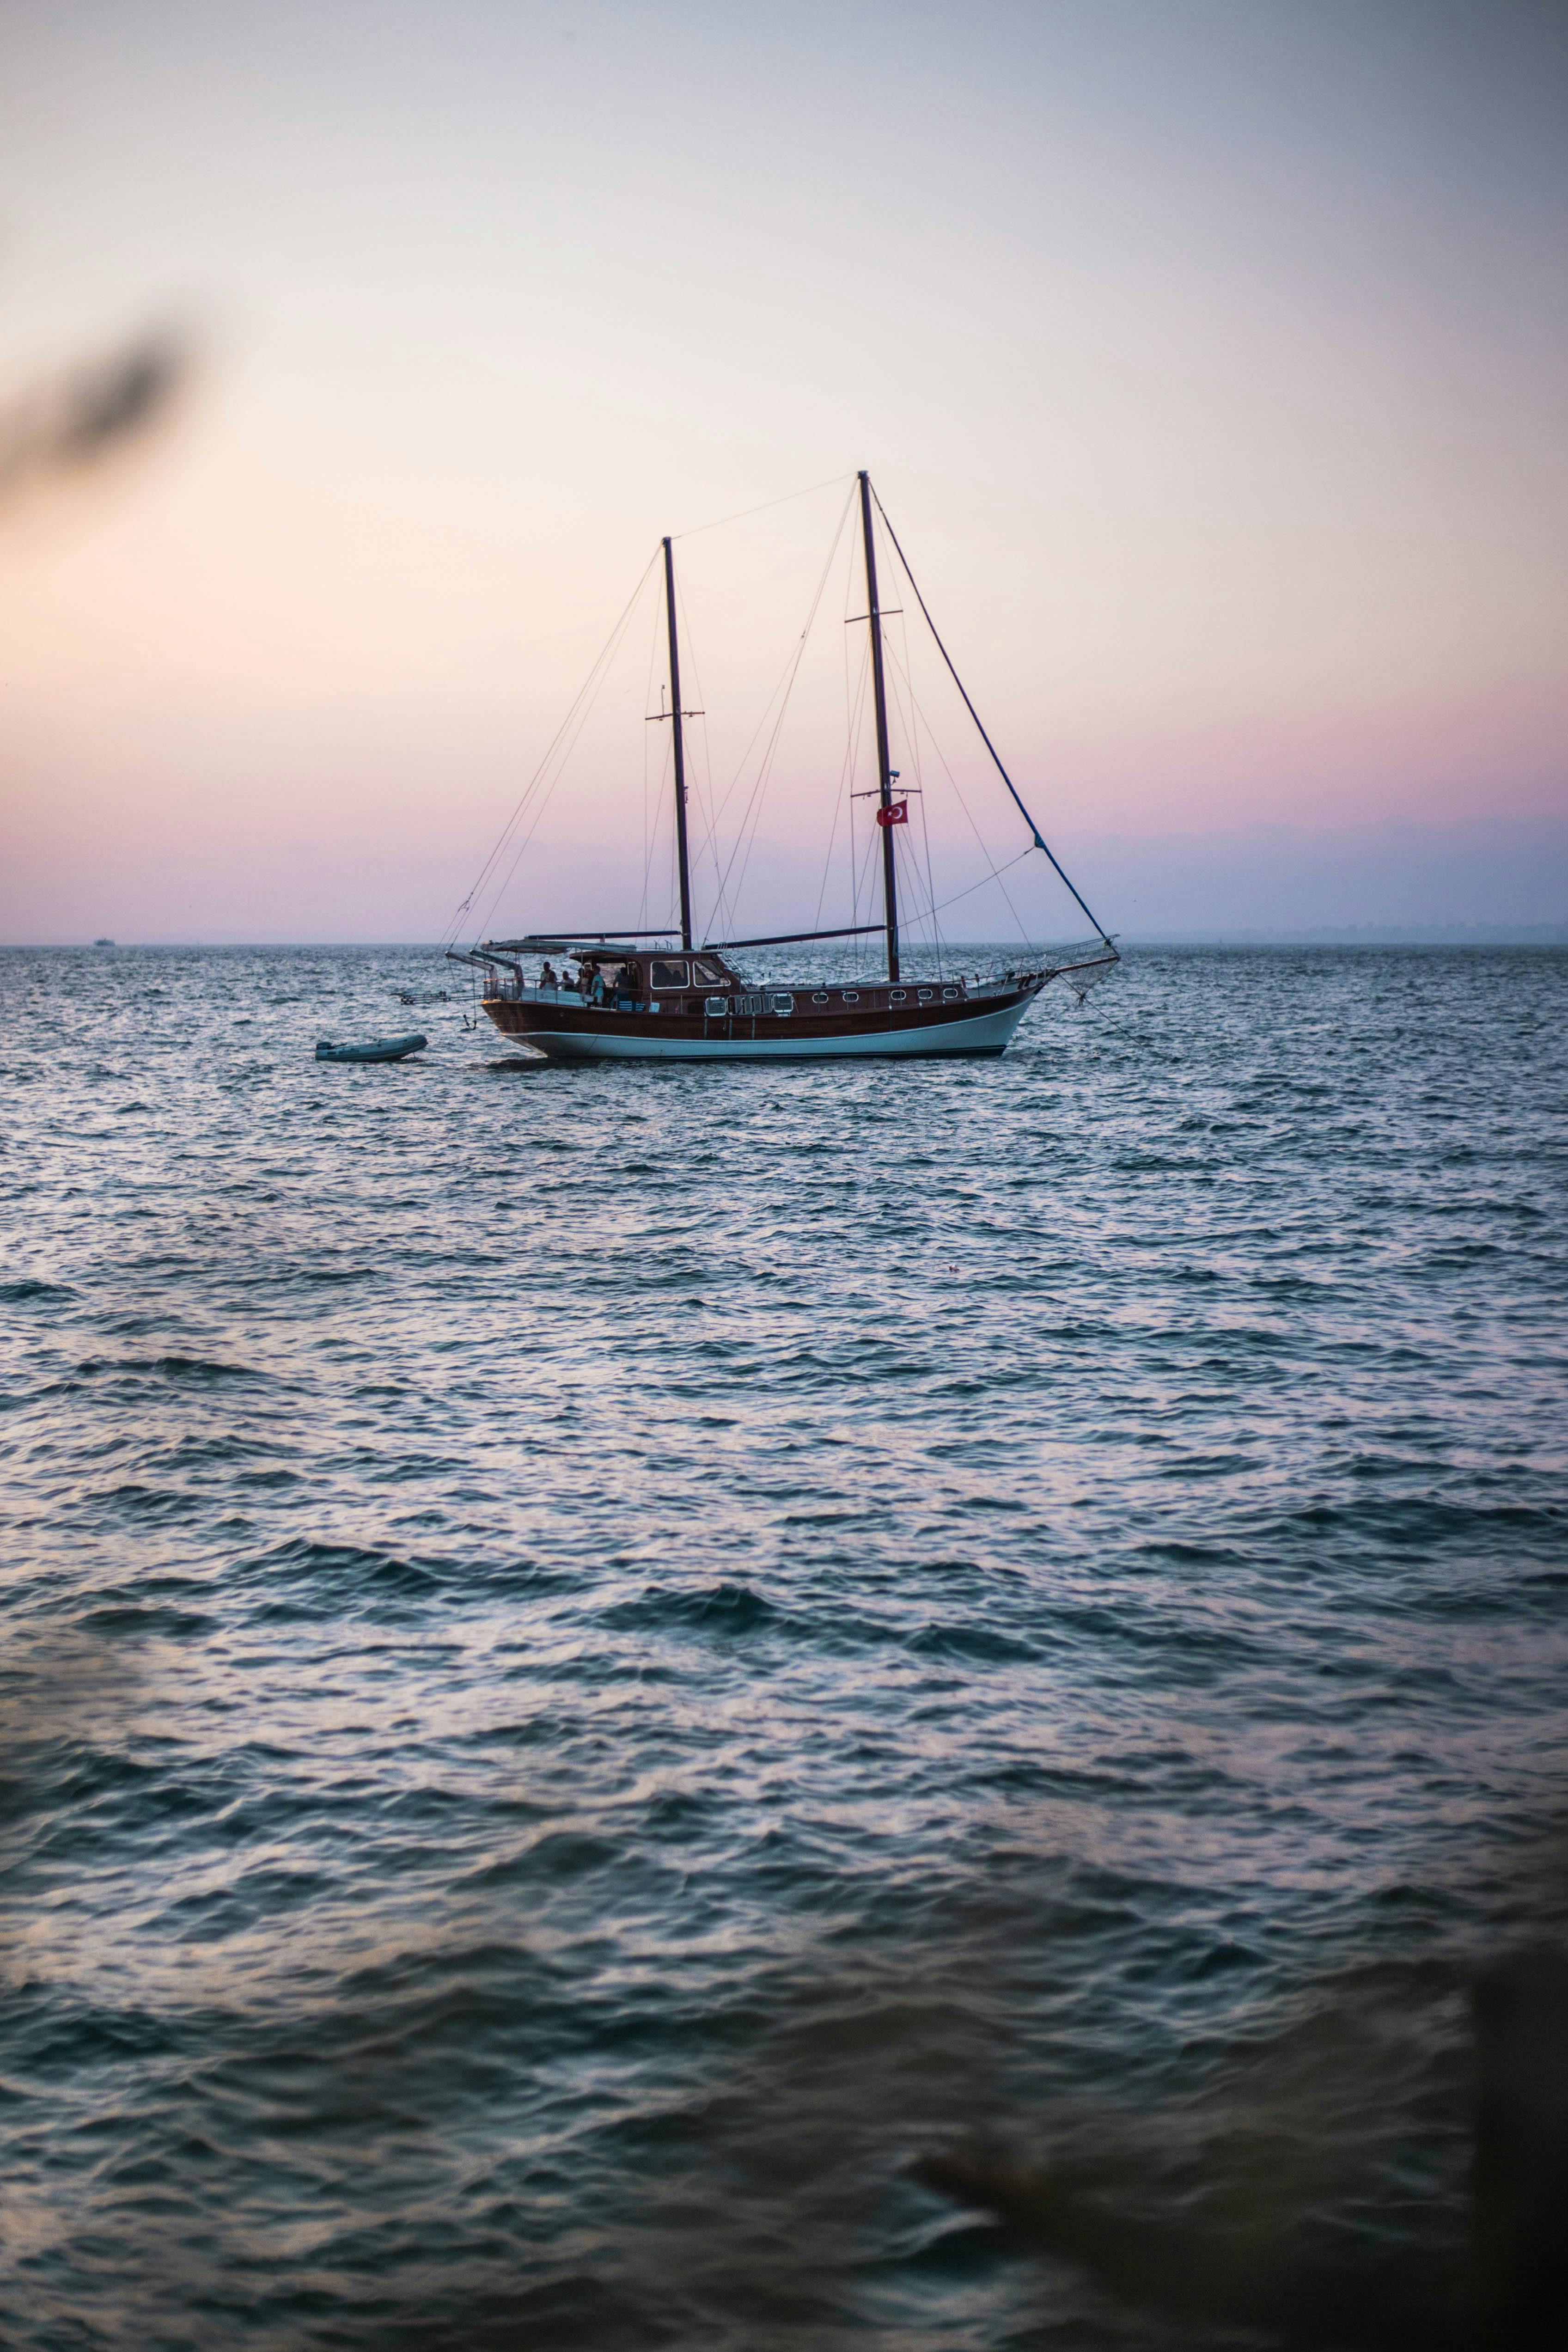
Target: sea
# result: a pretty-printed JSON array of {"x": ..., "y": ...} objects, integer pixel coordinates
[{"x": 745, "y": 1707}]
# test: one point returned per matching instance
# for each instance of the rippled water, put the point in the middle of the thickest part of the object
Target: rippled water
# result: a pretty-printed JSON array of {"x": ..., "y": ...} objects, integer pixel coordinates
[{"x": 600, "y": 1664}]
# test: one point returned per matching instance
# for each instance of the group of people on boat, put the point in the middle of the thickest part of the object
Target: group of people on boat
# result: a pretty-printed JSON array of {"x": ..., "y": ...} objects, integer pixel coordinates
[{"x": 617, "y": 985}]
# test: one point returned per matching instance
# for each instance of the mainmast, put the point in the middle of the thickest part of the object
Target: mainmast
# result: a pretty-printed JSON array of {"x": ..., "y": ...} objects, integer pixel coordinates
[
  {"x": 883, "y": 765},
  {"x": 676, "y": 714}
]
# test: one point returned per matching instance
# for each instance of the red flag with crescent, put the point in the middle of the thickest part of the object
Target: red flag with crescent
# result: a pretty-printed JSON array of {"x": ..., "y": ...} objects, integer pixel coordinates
[{"x": 895, "y": 812}]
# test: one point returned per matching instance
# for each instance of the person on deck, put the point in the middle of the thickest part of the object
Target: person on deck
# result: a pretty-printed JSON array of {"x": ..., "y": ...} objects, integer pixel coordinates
[
  {"x": 626, "y": 987},
  {"x": 547, "y": 975}
]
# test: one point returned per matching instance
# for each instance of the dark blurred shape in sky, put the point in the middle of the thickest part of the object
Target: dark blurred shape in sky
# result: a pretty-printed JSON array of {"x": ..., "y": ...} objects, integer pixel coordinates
[{"x": 91, "y": 413}]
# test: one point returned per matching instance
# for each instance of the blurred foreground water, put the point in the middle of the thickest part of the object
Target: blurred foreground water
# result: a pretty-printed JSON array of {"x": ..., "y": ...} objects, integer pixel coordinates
[{"x": 622, "y": 1687}]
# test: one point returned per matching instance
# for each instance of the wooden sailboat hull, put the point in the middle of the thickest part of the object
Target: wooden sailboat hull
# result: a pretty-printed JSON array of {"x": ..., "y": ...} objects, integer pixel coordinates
[
  {"x": 571, "y": 1031},
  {"x": 638, "y": 997}
]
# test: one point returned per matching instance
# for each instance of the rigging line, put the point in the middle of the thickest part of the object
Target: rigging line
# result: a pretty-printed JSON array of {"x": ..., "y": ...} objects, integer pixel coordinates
[
  {"x": 651, "y": 833},
  {"x": 696, "y": 754},
  {"x": 846, "y": 773},
  {"x": 545, "y": 798},
  {"x": 994, "y": 876},
  {"x": 1038, "y": 841},
  {"x": 561, "y": 751},
  {"x": 930, "y": 886},
  {"x": 791, "y": 667},
  {"x": 766, "y": 508},
  {"x": 781, "y": 687},
  {"x": 587, "y": 687},
  {"x": 920, "y": 781},
  {"x": 909, "y": 672},
  {"x": 647, "y": 754},
  {"x": 863, "y": 880},
  {"x": 667, "y": 756},
  {"x": 910, "y": 737},
  {"x": 706, "y": 815},
  {"x": 752, "y": 814},
  {"x": 745, "y": 831},
  {"x": 854, "y": 723},
  {"x": 957, "y": 793},
  {"x": 855, "y": 716},
  {"x": 860, "y": 876}
]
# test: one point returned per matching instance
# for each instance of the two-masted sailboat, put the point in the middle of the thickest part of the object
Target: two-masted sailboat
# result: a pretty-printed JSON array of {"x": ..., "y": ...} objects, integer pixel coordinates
[{"x": 639, "y": 995}]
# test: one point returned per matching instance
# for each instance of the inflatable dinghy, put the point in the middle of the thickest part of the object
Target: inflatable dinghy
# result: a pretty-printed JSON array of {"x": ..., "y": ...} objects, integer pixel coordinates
[{"x": 378, "y": 1049}]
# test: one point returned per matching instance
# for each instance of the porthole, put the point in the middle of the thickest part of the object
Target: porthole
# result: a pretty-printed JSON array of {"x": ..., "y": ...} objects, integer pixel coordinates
[
  {"x": 925, "y": 994},
  {"x": 947, "y": 993},
  {"x": 896, "y": 995},
  {"x": 819, "y": 996},
  {"x": 851, "y": 996}
]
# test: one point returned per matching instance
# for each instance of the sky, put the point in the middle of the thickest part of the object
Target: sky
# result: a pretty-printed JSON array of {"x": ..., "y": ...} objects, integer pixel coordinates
[{"x": 1208, "y": 355}]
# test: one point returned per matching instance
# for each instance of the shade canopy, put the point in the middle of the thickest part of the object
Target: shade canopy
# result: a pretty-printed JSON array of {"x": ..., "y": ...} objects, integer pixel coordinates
[{"x": 572, "y": 944}]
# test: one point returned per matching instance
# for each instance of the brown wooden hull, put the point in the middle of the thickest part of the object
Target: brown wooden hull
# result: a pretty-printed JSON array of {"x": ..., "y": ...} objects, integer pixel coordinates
[{"x": 770, "y": 1025}]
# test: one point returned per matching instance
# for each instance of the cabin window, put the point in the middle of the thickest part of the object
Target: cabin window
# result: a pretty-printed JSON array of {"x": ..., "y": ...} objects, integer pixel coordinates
[
  {"x": 925, "y": 995},
  {"x": 896, "y": 995},
  {"x": 748, "y": 1006},
  {"x": 947, "y": 993},
  {"x": 851, "y": 996},
  {"x": 667, "y": 975},
  {"x": 819, "y": 996},
  {"x": 781, "y": 1005},
  {"x": 715, "y": 1007},
  {"x": 708, "y": 973}
]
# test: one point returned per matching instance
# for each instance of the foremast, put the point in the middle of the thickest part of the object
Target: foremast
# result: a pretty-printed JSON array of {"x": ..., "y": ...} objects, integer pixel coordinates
[
  {"x": 678, "y": 739},
  {"x": 883, "y": 760}
]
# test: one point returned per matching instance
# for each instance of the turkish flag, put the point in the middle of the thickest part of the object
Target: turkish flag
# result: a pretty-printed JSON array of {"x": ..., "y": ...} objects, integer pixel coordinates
[{"x": 895, "y": 812}]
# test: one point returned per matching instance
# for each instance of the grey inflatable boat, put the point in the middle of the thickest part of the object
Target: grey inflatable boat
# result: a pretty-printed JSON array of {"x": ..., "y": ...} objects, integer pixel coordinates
[{"x": 378, "y": 1049}]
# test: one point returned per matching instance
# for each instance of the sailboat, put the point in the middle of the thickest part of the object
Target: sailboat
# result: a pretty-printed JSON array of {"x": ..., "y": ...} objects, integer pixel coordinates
[{"x": 671, "y": 995}]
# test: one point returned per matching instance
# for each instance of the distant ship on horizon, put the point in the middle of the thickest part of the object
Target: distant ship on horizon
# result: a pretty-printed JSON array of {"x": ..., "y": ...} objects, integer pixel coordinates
[{"x": 664, "y": 996}]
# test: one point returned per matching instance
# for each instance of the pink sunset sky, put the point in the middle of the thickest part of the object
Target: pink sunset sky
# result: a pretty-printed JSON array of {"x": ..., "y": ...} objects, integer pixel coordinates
[{"x": 1209, "y": 358}]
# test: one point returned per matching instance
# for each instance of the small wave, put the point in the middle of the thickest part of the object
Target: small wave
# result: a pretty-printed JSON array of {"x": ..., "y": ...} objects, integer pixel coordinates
[
  {"x": 152, "y": 1502},
  {"x": 333, "y": 1575},
  {"x": 1193, "y": 1555},
  {"x": 1419, "y": 1519},
  {"x": 159, "y": 1624},
  {"x": 23, "y": 1291},
  {"x": 559, "y": 1856},
  {"x": 975, "y": 1644},
  {"x": 718, "y": 1609},
  {"x": 197, "y": 1369}
]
